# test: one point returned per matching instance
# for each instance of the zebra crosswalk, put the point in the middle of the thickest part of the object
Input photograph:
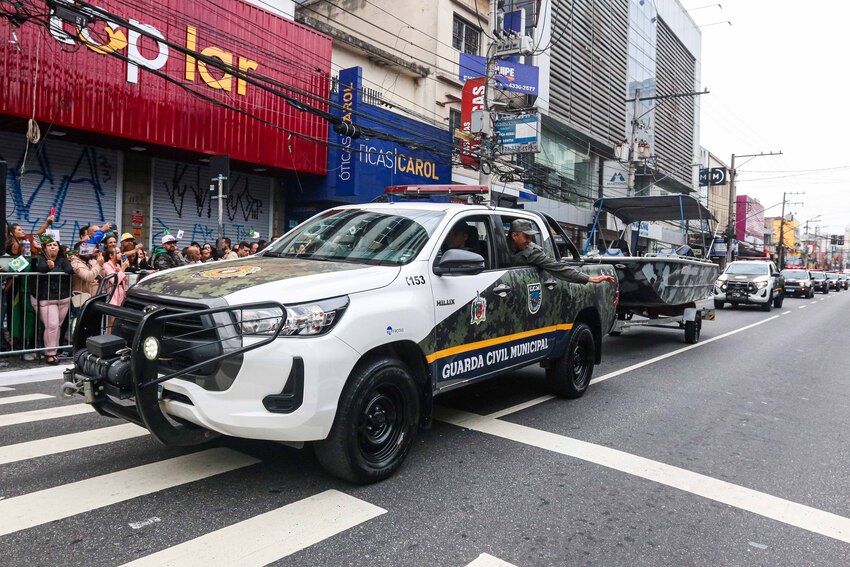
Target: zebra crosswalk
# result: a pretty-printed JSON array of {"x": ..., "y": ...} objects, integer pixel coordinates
[
  {"x": 258, "y": 540},
  {"x": 265, "y": 537}
]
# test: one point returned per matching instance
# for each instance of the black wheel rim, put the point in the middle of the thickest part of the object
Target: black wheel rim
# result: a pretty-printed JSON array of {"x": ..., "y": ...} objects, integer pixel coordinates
[
  {"x": 579, "y": 363},
  {"x": 381, "y": 425}
]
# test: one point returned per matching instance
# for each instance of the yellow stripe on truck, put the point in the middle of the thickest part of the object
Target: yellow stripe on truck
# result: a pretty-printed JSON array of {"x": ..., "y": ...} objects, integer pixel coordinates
[{"x": 459, "y": 349}]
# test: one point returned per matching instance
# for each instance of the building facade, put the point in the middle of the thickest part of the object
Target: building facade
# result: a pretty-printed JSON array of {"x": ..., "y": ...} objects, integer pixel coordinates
[{"x": 133, "y": 107}]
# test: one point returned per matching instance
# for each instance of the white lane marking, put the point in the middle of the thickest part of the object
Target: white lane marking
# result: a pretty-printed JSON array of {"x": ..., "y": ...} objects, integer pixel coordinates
[
  {"x": 781, "y": 510},
  {"x": 6, "y": 389},
  {"x": 802, "y": 307},
  {"x": 271, "y": 536},
  {"x": 540, "y": 400},
  {"x": 487, "y": 560},
  {"x": 786, "y": 312},
  {"x": 522, "y": 406},
  {"x": 36, "y": 508},
  {"x": 70, "y": 442},
  {"x": 38, "y": 415},
  {"x": 30, "y": 375},
  {"x": 679, "y": 351},
  {"x": 24, "y": 398}
]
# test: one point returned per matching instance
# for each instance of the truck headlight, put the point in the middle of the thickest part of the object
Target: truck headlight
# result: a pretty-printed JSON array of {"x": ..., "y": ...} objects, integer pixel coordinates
[
  {"x": 721, "y": 284},
  {"x": 761, "y": 285},
  {"x": 260, "y": 321},
  {"x": 311, "y": 319}
]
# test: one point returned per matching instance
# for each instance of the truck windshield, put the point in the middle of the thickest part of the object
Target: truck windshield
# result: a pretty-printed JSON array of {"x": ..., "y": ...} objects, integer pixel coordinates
[
  {"x": 819, "y": 275},
  {"x": 746, "y": 269},
  {"x": 361, "y": 236},
  {"x": 795, "y": 274}
]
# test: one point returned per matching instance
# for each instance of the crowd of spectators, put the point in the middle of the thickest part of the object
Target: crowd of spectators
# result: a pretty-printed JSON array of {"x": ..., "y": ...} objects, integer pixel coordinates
[{"x": 36, "y": 308}]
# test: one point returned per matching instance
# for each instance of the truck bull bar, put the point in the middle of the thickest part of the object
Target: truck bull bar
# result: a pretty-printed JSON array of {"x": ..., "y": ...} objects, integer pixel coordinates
[{"x": 109, "y": 368}]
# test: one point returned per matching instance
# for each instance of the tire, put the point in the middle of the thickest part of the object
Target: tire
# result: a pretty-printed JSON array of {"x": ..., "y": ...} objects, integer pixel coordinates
[
  {"x": 811, "y": 293},
  {"x": 615, "y": 333},
  {"x": 692, "y": 330},
  {"x": 569, "y": 375},
  {"x": 718, "y": 304},
  {"x": 777, "y": 301},
  {"x": 766, "y": 306},
  {"x": 376, "y": 421},
  {"x": 826, "y": 290}
]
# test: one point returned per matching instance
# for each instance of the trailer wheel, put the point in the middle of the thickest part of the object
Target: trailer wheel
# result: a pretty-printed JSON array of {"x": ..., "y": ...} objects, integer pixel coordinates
[
  {"x": 570, "y": 374},
  {"x": 692, "y": 329},
  {"x": 376, "y": 421}
]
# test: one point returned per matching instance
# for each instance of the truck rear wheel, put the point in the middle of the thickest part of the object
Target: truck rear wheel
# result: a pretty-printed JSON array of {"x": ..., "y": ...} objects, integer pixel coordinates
[
  {"x": 376, "y": 420},
  {"x": 569, "y": 375}
]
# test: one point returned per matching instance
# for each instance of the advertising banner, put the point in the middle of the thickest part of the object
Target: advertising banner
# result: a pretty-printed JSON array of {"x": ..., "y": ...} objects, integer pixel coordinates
[
  {"x": 510, "y": 76},
  {"x": 472, "y": 99}
]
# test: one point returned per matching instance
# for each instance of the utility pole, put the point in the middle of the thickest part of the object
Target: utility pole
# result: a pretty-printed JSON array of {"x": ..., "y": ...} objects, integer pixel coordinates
[
  {"x": 485, "y": 149},
  {"x": 221, "y": 197},
  {"x": 780, "y": 245},
  {"x": 733, "y": 173},
  {"x": 630, "y": 188}
]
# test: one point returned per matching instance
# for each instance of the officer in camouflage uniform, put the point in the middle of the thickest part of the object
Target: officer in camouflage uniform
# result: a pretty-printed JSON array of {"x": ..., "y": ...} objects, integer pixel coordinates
[{"x": 526, "y": 253}]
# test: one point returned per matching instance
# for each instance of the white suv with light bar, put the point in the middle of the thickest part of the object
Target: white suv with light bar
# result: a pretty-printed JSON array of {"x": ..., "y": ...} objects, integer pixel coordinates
[{"x": 343, "y": 331}]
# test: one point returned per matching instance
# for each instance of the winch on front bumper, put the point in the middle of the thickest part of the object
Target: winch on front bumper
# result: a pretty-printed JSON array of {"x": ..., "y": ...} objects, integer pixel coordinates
[{"x": 119, "y": 372}]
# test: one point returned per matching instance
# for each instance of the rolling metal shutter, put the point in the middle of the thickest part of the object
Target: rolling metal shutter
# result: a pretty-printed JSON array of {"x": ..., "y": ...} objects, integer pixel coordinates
[
  {"x": 182, "y": 200},
  {"x": 81, "y": 182}
]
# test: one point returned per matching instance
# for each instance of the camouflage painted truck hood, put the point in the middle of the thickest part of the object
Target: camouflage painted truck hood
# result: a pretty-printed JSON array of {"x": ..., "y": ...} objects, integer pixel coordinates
[{"x": 261, "y": 278}]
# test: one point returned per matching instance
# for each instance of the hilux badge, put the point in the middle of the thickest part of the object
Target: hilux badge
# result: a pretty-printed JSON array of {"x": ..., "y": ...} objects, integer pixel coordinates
[
  {"x": 479, "y": 310},
  {"x": 535, "y": 297}
]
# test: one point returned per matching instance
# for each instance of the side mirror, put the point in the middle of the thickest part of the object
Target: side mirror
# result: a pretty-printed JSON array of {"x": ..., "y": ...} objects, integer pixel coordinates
[{"x": 459, "y": 262}]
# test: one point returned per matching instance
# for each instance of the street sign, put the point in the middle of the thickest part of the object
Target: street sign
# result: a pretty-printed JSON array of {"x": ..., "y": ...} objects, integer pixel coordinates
[
  {"x": 713, "y": 176},
  {"x": 518, "y": 133}
]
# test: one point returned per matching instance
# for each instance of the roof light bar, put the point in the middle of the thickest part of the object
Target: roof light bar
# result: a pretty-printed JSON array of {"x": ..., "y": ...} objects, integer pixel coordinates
[{"x": 436, "y": 190}]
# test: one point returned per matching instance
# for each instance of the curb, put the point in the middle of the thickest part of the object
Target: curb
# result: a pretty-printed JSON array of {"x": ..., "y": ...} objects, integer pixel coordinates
[{"x": 27, "y": 375}]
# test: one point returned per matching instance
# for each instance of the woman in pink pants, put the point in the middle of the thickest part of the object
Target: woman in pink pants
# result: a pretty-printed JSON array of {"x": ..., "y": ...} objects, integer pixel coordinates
[{"x": 52, "y": 293}]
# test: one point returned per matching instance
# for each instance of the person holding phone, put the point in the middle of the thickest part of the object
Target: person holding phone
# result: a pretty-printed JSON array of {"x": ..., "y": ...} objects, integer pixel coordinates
[{"x": 115, "y": 265}]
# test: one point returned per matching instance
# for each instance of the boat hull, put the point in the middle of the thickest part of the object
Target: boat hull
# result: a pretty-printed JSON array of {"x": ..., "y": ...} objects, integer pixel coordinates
[{"x": 656, "y": 282}]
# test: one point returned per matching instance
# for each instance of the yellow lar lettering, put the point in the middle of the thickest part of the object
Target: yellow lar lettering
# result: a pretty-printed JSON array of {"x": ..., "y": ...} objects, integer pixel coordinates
[
  {"x": 191, "y": 45},
  {"x": 225, "y": 83},
  {"x": 245, "y": 65}
]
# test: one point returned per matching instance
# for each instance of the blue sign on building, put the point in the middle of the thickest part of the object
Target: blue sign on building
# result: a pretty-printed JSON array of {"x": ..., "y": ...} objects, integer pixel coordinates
[
  {"x": 509, "y": 75},
  {"x": 360, "y": 168}
]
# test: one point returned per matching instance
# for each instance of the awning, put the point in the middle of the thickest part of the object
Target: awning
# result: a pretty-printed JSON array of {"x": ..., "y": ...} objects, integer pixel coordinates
[{"x": 655, "y": 208}]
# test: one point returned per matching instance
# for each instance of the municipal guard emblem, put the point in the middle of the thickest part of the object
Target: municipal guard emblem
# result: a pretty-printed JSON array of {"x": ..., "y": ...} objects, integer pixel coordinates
[
  {"x": 535, "y": 297},
  {"x": 227, "y": 273},
  {"x": 479, "y": 310}
]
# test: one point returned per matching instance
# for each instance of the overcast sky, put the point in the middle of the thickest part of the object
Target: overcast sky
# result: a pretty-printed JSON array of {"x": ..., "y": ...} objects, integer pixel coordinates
[{"x": 779, "y": 80}]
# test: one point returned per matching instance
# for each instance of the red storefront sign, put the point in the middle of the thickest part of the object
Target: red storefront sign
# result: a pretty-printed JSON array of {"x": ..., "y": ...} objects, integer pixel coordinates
[
  {"x": 103, "y": 78},
  {"x": 472, "y": 98}
]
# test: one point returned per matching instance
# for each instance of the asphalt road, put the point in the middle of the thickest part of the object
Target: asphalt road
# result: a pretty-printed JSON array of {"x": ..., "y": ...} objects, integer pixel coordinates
[{"x": 728, "y": 452}]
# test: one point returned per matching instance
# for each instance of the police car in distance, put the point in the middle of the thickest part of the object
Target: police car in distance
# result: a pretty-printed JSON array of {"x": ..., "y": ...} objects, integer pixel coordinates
[
  {"x": 798, "y": 281},
  {"x": 342, "y": 332},
  {"x": 755, "y": 282},
  {"x": 820, "y": 281}
]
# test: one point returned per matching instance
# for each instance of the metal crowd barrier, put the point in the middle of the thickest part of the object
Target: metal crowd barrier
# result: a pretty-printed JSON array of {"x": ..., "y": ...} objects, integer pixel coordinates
[{"x": 23, "y": 321}]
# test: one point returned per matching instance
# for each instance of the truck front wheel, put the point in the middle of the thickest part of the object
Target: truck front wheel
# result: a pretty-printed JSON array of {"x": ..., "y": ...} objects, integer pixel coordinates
[
  {"x": 376, "y": 420},
  {"x": 569, "y": 375}
]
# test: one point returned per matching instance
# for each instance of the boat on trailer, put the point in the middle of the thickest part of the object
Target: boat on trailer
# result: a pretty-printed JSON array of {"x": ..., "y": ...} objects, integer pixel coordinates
[{"x": 661, "y": 287}]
